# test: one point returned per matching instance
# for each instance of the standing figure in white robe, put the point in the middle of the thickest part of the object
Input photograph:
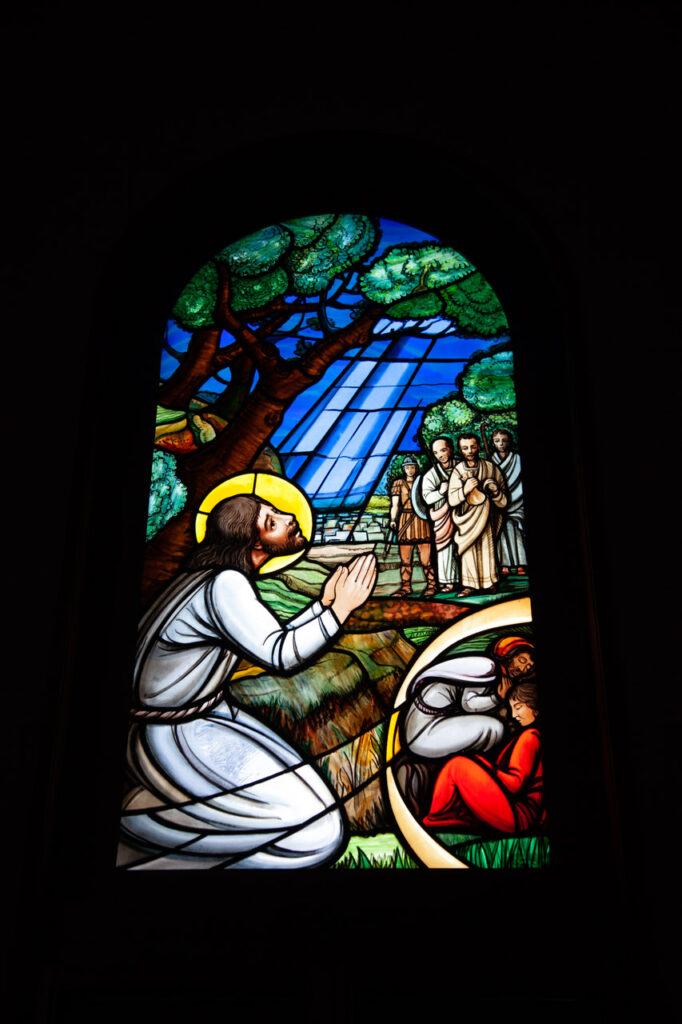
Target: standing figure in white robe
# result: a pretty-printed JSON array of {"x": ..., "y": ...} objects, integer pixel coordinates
[
  {"x": 435, "y": 494},
  {"x": 212, "y": 786},
  {"x": 477, "y": 494},
  {"x": 511, "y": 547}
]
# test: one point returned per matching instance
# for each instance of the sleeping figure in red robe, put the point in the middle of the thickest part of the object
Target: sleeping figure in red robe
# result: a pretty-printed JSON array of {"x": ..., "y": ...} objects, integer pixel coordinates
[{"x": 472, "y": 793}]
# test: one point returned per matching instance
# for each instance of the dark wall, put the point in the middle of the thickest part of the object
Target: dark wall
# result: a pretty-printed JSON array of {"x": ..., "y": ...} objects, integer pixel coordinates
[{"x": 130, "y": 153}]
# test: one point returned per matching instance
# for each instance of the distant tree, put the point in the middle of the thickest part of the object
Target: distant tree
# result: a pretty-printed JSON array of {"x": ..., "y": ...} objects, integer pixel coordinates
[
  {"x": 447, "y": 418},
  {"x": 485, "y": 395},
  {"x": 167, "y": 494},
  {"x": 312, "y": 285}
]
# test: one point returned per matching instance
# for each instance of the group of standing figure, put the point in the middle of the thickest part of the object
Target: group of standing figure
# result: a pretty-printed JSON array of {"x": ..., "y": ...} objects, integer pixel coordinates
[{"x": 475, "y": 510}]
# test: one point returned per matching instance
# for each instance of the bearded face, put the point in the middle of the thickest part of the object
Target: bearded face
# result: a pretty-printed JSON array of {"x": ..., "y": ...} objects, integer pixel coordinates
[
  {"x": 288, "y": 544},
  {"x": 279, "y": 532},
  {"x": 521, "y": 666}
]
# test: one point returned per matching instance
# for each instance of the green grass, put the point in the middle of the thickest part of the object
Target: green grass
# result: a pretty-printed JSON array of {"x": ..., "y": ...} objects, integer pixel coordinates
[
  {"x": 509, "y": 852},
  {"x": 379, "y": 851},
  {"x": 480, "y": 643},
  {"x": 384, "y": 850},
  {"x": 419, "y": 635},
  {"x": 284, "y": 601}
]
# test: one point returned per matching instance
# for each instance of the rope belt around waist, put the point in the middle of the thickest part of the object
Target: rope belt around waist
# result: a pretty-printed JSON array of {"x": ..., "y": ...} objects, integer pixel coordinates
[
  {"x": 426, "y": 710},
  {"x": 177, "y": 714}
]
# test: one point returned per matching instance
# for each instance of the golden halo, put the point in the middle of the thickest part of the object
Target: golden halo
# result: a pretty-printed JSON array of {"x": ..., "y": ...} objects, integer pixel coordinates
[
  {"x": 427, "y": 849},
  {"x": 276, "y": 491}
]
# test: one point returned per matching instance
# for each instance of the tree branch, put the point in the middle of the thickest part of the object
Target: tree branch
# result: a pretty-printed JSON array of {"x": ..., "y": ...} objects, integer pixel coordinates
[
  {"x": 265, "y": 355},
  {"x": 225, "y": 355}
]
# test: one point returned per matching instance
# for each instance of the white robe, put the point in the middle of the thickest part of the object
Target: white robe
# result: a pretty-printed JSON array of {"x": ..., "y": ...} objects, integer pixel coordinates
[
  {"x": 477, "y": 526},
  {"x": 436, "y": 500},
  {"x": 222, "y": 789},
  {"x": 450, "y": 709},
  {"x": 511, "y": 548}
]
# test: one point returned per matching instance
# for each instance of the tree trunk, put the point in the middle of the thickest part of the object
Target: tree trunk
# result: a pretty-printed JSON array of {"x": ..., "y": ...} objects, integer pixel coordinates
[
  {"x": 232, "y": 398},
  {"x": 195, "y": 369},
  {"x": 235, "y": 448},
  {"x": 165, "y": 552}
]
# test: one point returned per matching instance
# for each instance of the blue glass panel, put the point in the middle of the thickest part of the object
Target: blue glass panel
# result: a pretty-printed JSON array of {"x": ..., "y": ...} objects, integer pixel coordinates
[
  {"x": 435, "y": 326},
  {"x": 339, "y": 317},
  {"x": 179, "y": 339},
  {"x": 340, "y": 398},
  {"x": 417, "y": 396},
  {"x": 316, "y": 427},
  {"x": 311, "y": 477},
  {"x": 325, "y": 504},
  {"x": 347, "y": 426},
  {"x": 437, "y": 373},
  {"x": 357, "y": 373},
  {"x": 376, "y": 348},
  {"x": 461, "y": 348},
  {"x": 217, "y": 384},
  {"x": 295, "y": 436},
  {"x": 385, "y": 326},
  {"x": 361, "y": 440},
  {"x": 169, "y": 365},
  {"x": 409, "y": 347},
  {"x": 409, "y": 442},
  {"x": 337, "y": 478},
  {"x": 376, "y": 398},
  {"x": 391, "y": 373},
  {"x": 390, "y": 432},
  {"x": 254, "y": 381},
  {"x": 304, "y": 402},
  {"x": 395, "y": 233},
  {"x": 292, "y": 464},
  {"x": 366, "y": 479},
  {"x": 287, "y": 346},
  {"x": 341, "y": 498}
]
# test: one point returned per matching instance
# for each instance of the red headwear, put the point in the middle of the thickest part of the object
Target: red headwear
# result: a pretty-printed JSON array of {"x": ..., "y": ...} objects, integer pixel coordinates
[{"x": 509, "y": 645}]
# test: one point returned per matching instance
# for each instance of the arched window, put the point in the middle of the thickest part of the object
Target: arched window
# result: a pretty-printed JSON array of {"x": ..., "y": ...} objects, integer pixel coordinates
[{"x": 336, "y": 663}]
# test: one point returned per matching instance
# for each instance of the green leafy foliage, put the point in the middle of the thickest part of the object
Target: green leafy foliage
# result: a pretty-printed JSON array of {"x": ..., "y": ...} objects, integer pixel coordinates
[
  {"x": 300, "y": 257},
  {"x": 257, "y": 253},
  {"x": 417, "y": 307},
  {"x": 488, "y": 382},
  {"x": 257, "y": 292},
  {"x": 196, "y": 306},
  {"x": 448, "y": 418},
  {"x": 486, "y": 395},
  {"x": 404, "y": 270},
  {"x": 346, "y": 240},
  {"x": 306, "y": 230},
  {"x": 475, "y": 308},
  {"x": 167, "y": 494}
]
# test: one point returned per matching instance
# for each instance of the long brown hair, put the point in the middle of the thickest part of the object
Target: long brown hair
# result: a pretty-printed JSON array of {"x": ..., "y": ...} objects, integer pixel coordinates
[
  {"x": 231, "y": 534},
  {"x": 525, "y": 693}
]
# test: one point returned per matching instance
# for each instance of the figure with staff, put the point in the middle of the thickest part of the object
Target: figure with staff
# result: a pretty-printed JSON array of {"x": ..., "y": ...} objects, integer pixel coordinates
[{"x": 411, "y": 531}]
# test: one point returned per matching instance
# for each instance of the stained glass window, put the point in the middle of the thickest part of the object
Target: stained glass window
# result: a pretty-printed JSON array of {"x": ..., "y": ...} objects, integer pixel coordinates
[{"x": 336, "y": 665}]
